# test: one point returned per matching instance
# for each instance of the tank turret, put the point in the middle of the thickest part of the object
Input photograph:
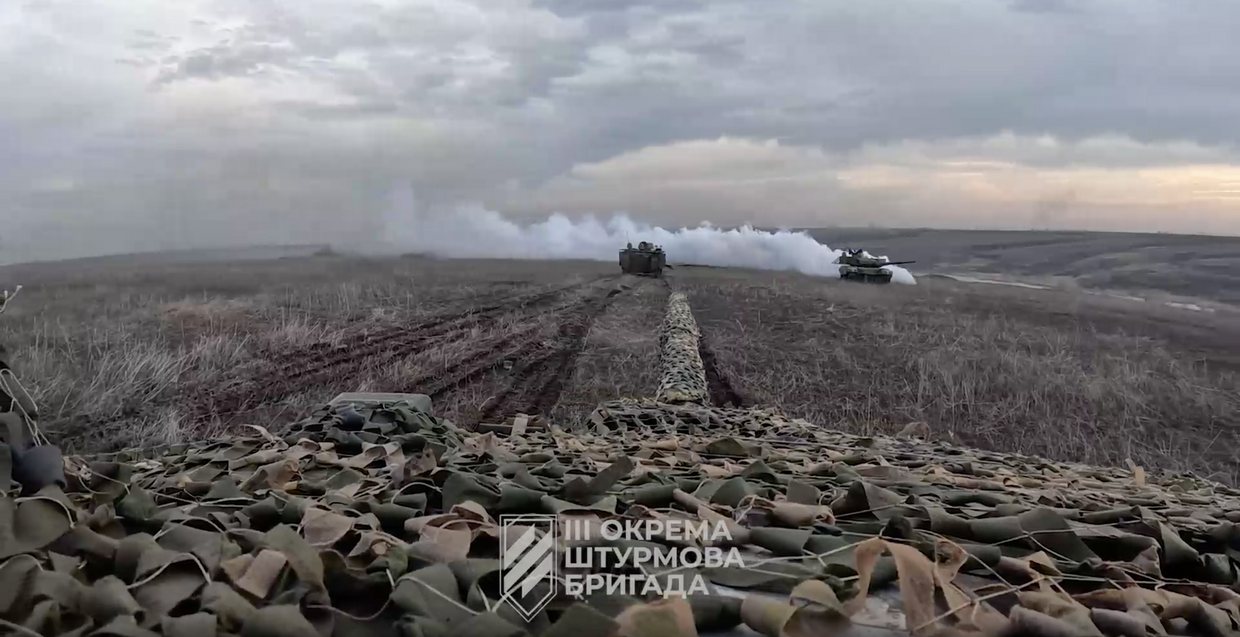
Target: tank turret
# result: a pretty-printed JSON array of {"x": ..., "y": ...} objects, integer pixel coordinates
[{"x": 859, "y": 265}]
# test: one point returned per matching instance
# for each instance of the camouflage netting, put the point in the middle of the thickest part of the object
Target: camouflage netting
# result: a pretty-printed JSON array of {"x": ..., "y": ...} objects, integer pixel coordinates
[
  {"x": 683, "y": 377},
  {"x": 381, "y": 519}
]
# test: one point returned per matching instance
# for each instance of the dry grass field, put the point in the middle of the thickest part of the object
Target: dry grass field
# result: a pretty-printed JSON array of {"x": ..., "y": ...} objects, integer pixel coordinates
[
  {"x": 127, "y": 352},
  {"x": 1054, "y": 373},
  {"x": 121, "y": 354},
  {"x": 1204, "y": 267}
]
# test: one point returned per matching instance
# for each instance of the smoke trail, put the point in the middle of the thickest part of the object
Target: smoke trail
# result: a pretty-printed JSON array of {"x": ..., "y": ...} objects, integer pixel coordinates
[{"x": 475, "y": 232}]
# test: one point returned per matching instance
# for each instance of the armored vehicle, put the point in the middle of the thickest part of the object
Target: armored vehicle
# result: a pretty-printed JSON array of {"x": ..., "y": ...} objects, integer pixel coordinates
[
  {"x": 859, "y": 265},
  {"x": 646, "y": 259}
]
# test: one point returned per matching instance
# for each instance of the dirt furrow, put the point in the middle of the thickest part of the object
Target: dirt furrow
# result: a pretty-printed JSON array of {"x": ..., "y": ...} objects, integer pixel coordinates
[
  {"x": 273, "y": 387},
  {"x": 303, "y": 369},
  {"x": 536, "y": 382},
  {"x": 298, "y": 365},
  {"x": 718, "y": 386},
  {"x": 489, "y": 355}
]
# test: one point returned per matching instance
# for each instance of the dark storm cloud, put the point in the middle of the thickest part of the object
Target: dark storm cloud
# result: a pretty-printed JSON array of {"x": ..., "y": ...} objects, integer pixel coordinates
[
  {"x": 839, "y": 74},
  {"x": 543, "y": 105}
]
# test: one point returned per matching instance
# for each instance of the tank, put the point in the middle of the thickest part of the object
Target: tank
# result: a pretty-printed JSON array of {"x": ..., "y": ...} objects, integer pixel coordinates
[
  {"x": 646, "y": 259},
  {"x": 863, "y": 267}
]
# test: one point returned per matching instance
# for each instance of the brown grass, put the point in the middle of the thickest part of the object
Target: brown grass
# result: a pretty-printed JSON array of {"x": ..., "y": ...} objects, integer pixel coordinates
[
  {"x": 1142, "y": 264},
  {"x": 120, "y": 344},
  {"x": 621, "y": 354},
  {"x": 1061, "y": 375},
  {"x": 125, "y": 354}
]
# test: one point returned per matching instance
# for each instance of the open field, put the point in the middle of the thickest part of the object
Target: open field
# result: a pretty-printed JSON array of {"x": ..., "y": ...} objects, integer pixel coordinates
[
  {"x": 1205, "y": 267},
  {"x": 1053, "y": 373},
  {"x": 122, "y": 353}
]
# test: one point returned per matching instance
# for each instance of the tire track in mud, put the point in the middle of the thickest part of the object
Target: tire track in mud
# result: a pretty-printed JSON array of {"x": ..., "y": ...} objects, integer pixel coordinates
[
  {"x": 303, "y": 369},
  {"x": 387, "y": 347},
  {"x": 537, "y": 382},
  {"x": 489, "y": 355},
  {"x": 312, "y": 361},
  {"x": 718, "y": 386}
]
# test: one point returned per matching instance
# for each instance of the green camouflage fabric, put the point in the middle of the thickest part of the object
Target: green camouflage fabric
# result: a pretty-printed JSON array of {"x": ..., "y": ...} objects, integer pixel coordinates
[{"x": 382, "y": 519}]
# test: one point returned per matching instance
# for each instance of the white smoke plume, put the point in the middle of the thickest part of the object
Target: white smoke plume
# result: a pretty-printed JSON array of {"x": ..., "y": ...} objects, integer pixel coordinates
[{"x": 475, "y": 232}]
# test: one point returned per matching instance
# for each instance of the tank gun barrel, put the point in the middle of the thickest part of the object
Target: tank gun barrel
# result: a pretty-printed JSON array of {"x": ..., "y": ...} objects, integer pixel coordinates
[{"x": 898, "y": 262}]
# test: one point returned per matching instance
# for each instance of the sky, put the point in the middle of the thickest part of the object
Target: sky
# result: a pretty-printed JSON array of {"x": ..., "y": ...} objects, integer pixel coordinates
[{"x": 132, "y": 125}]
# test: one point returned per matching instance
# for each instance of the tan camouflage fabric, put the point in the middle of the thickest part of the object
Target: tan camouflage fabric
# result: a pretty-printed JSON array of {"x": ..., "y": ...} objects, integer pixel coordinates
[
  {"x": 382, "y": 519},
  {"x": 683, "y": 377}
]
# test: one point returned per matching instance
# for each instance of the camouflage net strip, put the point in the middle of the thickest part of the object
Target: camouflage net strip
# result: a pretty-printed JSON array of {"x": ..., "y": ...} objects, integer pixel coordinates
[
  {"x": 382, "y": 519},
  {"x": 683, "y": 376}
]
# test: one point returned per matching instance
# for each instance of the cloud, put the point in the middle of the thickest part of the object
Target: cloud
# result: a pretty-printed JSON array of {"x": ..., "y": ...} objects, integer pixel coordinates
[
  {"x": 1043, "y": 6},
  {"x": 175, "y": 120},
  {"x": 226, "y": 61},
  {"x": 1002, "y": 181}
]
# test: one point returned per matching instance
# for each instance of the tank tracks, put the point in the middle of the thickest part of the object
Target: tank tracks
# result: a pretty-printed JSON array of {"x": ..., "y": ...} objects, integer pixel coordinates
[{"x": 1013, "y": 542}]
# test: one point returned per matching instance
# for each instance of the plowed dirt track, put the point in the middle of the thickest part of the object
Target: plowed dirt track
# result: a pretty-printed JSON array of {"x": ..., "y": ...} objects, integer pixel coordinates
[{"x": 124, "y": 354}]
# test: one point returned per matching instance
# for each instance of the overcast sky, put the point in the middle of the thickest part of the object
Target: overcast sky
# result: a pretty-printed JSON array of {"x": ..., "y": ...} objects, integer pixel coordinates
[{"x": 149, "y": 124}]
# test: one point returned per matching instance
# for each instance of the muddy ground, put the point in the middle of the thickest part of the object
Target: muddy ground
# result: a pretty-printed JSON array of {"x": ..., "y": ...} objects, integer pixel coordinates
[{"x": 124, "y": 354}]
